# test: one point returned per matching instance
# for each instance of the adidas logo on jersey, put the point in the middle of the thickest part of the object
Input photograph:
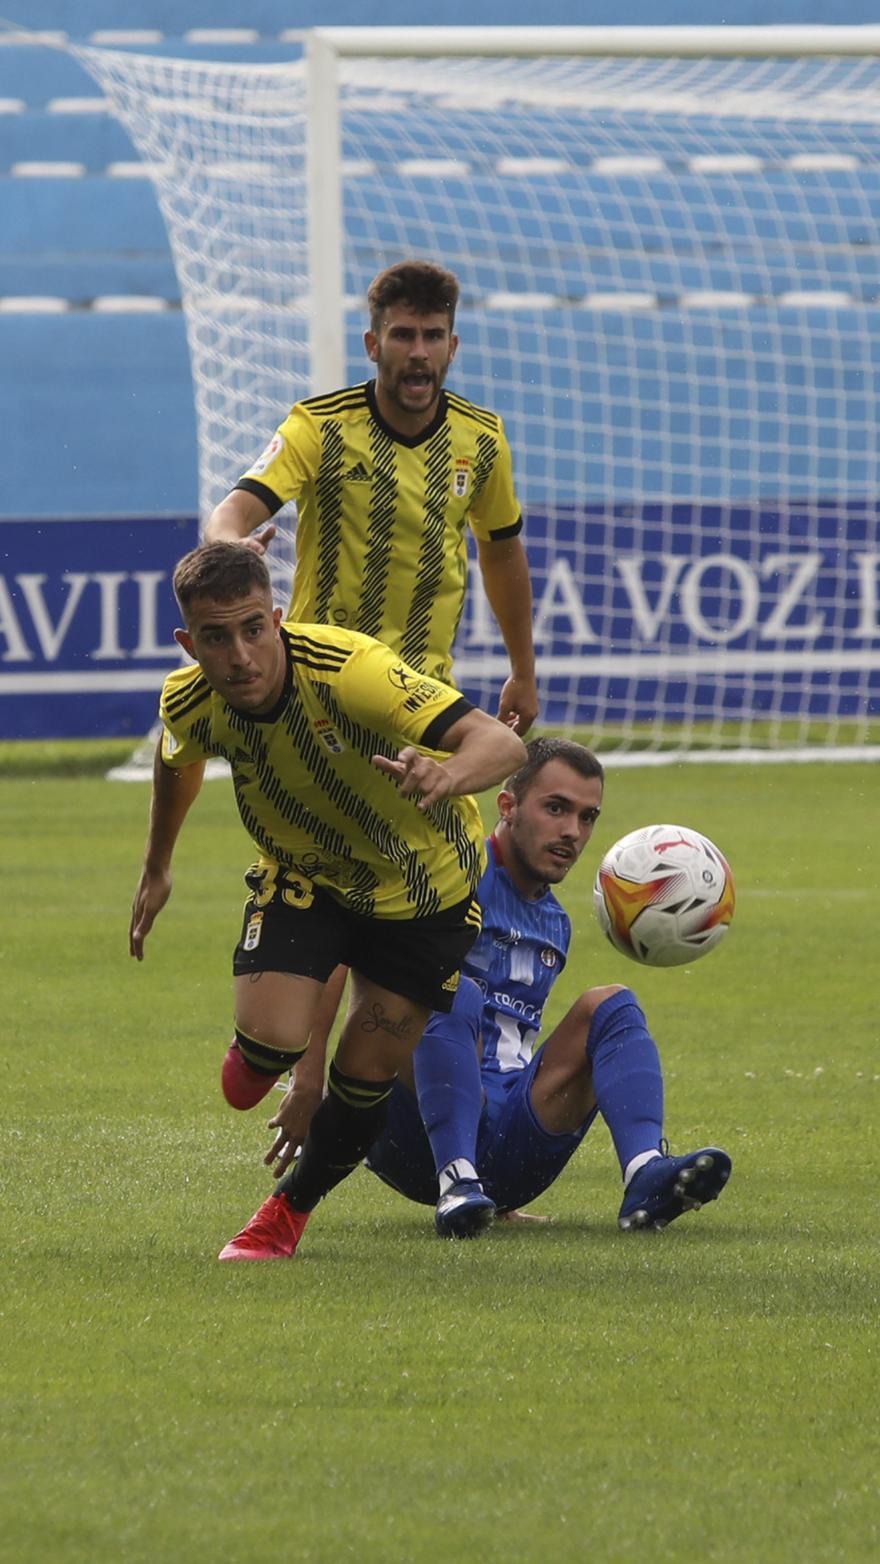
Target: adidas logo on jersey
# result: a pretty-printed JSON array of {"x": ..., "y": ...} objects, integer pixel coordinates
[{"x": 356, "y": 474}]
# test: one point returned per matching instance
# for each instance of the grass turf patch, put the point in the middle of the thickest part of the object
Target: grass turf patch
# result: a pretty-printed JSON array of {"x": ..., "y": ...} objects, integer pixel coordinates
[
  {"x": 64, "y": 757},
  {"x": 560, "y": 1390}
]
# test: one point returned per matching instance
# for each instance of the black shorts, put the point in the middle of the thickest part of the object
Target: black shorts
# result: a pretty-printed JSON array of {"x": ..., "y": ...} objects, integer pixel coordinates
[{"x": 291, "y": 925}]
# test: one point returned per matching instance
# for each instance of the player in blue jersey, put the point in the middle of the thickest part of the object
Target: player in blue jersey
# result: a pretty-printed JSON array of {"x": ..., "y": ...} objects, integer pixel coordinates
[{"x": 494, "y": 1122}]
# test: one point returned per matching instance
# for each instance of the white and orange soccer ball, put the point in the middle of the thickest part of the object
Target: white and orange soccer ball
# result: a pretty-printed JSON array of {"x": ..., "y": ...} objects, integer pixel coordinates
[{"x": 664, "y": 895}]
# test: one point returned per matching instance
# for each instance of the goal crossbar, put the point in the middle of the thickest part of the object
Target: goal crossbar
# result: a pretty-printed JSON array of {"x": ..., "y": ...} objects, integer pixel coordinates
[{"x": 789, "y": 41}]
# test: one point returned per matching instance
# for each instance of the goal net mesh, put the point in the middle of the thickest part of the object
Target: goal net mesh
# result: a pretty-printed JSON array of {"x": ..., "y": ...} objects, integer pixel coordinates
[{"x": 670, "y": 281}]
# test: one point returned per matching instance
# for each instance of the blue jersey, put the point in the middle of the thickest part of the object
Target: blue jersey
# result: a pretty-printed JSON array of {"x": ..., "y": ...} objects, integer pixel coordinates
[{"x": 515, "y": 961}]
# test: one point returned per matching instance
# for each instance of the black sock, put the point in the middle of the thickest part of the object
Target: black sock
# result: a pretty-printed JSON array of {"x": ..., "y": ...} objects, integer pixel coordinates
[
  {"x": 349, "y": 1119},
  {"x": 263, "y": 1059}
]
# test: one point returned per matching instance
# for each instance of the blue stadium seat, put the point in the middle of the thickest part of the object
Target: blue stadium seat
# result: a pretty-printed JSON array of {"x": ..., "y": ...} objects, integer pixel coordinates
[
  {"x": 97, "y": 413},
  {"x": 100, "y": 378},
  {"x": 94, "y": 139},
  {"x": 37, "y": 75},
  {"x": 79, "y": 238}
]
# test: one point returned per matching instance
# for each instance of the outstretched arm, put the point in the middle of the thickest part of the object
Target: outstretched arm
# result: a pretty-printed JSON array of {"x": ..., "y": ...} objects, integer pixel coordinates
[
  {"x": 173, "y": 793},
  {"x": 234, "y": 520},
  {"x": 482, "y": 752},
  {"x": 505, "y": 571}
]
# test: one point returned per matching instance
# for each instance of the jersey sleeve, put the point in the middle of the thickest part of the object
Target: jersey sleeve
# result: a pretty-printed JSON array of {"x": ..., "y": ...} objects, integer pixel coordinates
[
  {"x": 381, "y": 691},
  {"x": 282, "y": 470},
  {"x": 495, "y": 512},
  {"x": 185, "y": 702}
]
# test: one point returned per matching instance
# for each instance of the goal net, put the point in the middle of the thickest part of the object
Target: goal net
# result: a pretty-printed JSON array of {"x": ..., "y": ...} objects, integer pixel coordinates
[{"x": 670, "y": 283}]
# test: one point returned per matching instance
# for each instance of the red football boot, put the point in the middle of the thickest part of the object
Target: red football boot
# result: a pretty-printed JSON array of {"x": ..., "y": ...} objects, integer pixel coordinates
[{"x": 272, "y": 1233}]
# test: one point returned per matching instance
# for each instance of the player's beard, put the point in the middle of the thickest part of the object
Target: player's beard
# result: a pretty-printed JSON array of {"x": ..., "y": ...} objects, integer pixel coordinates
[
  {"x": 431, "y": 390},
  {"x": 549, "y": 871}
]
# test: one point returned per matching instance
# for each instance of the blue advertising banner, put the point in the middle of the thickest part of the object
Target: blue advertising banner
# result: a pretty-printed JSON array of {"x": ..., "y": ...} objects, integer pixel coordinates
[
  {"x": 667, "y": 611},
  {"x": 87, "y": 617},
  {"x": 678, "y": 611}
]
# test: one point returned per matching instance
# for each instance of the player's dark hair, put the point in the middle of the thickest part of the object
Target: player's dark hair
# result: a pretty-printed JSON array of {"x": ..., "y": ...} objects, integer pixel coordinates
[
  {"x": 541, "y": 751},
  {"x": 426, "y": 288},
  {"x": 220, "y": 571}
]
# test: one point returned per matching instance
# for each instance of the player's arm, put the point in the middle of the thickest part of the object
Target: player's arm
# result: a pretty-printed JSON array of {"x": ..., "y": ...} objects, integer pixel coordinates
[
  {"x": 279, "y": 474},
  {"x": 482, "y": 751},
  {"x": 174, "y": 790},
  {"x": 236, "y": 517},
  {"x": 505, "y": 570}
]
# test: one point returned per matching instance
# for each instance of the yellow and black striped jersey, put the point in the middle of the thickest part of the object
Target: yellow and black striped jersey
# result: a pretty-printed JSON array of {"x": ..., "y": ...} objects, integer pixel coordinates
[
  {"x": 306, "y": 788},
  {"x": 381, "y": 538}
]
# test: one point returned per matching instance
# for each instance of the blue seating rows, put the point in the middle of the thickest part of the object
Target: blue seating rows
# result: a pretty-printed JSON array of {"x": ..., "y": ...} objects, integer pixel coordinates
[{"x": 110, "y": 397}]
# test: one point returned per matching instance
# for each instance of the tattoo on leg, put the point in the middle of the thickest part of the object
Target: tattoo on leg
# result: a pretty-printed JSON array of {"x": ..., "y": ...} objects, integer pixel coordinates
[{"x": 378, "y": 1021}]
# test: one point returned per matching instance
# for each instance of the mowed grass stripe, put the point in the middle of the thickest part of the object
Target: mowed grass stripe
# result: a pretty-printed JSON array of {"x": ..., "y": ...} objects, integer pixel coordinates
[{"x": 555, "y": 1390}]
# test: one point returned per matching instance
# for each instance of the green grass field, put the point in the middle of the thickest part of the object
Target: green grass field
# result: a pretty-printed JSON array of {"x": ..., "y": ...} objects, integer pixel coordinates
[{"x": 556, "y": 1393}]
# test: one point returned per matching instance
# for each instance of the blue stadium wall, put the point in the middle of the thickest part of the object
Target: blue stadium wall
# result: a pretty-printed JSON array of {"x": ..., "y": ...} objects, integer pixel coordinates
[{"x": 97, "y": 411}]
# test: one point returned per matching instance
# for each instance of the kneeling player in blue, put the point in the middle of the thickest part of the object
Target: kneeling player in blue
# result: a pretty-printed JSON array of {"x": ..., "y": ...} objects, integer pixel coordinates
[{"x": 486, "y": 1123}]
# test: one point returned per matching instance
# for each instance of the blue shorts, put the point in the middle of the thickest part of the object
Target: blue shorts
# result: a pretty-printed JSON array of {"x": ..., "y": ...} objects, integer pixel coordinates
[{"x": 516, "y": 1158}]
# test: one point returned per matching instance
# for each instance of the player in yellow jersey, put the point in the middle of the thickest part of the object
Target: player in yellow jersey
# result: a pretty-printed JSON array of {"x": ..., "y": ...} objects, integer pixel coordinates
[
  {"x": 352, "y": 774},
  {"x": 387, "y": 477}
]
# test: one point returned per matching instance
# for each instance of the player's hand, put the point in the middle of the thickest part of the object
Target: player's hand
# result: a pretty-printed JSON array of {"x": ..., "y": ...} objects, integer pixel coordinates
[
  {"x": 154, "y": 889},
  {"x": 259, "y": 541},
  {"x": 417, "y": 773},
  {"x": 292, "y": 1123},
  {"x": 518, "y": 704}
]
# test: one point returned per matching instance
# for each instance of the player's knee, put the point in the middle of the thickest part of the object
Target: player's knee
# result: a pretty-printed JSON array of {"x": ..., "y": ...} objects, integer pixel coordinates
[{"x": 592, "y": 998}]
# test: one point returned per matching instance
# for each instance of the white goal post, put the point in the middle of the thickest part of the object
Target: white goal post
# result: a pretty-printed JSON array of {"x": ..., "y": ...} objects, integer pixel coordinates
[{"x": 670, "y": 266}]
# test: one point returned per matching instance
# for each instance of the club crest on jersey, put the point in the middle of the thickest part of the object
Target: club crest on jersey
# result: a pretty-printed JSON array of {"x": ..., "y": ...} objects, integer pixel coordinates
[
  {"x": 549, "y": 956},
  {"x": 253, "y": 931},
  {"x": 328, "y": 736},
  {"x": 273, "y": 449},
  {"x": 462, "y": 477}
]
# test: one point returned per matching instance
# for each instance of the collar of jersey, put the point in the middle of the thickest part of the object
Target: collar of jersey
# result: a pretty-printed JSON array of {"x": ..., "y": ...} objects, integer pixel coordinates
[{"x": 395, "y": 434}]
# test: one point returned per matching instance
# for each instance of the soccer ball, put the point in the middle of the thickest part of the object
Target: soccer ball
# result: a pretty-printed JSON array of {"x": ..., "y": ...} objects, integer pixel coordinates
[{"x": 664, "y": 895}]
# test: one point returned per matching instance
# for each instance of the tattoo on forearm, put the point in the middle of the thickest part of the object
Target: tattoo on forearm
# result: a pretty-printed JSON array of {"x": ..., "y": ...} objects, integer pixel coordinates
[{"x": 378, "y": 1021}]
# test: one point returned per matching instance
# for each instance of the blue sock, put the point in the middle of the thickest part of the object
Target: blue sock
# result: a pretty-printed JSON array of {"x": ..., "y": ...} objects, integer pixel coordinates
[
  {"x": 447, "y": 1075},
  {"x": 627, "y": 1078}
]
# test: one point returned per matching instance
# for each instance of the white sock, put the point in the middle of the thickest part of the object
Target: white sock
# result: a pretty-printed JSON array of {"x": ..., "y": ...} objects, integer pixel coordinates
[
  {"x": 637, "y": 1162},
  {"x": 454, "y": 1171}
]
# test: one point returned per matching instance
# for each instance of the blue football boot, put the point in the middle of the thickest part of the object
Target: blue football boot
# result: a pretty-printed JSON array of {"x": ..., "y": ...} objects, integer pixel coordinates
[
  {"x": 464, "y": 1211},
  {"x": 666, "y": 1187}
]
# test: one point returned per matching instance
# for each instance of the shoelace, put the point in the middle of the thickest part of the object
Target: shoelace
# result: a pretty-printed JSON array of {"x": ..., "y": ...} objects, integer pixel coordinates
[{"x": 263, "y": 1224}]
